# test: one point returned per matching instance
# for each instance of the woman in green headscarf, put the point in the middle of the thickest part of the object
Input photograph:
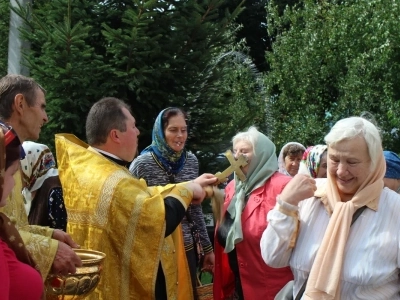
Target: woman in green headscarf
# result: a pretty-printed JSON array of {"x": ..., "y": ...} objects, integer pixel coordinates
[{"x": 240, "y": 272}]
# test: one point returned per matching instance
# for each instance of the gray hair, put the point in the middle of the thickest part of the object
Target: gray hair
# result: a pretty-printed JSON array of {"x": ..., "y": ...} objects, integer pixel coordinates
[
  {"x": 353, "y": 127},
  {"x": 250, "y": 136}
]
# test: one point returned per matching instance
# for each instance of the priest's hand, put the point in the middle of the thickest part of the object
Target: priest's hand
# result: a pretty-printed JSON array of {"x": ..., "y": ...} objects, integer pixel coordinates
[
  {"x": 198, "y": 192},
  {"x": 65, "y": 261},
  {"x": 64, "y": 237},
  {"x": 206, "y": 179}
]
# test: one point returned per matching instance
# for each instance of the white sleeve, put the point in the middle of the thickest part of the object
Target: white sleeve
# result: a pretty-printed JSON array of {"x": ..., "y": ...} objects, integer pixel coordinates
[{"x": 275, "y": 240}]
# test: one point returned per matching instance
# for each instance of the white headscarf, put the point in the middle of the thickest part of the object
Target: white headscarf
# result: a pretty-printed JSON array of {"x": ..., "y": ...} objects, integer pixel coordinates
[
  {"x": 281, "y": 159},
  {"x": 37, "y": 166}
]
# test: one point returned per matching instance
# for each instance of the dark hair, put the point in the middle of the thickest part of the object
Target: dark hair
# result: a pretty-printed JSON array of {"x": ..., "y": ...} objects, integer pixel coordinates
[
  {"x": 10, "y": 86},
  {"x": 12, "y": 145},
  {"x": 293, "y": 150},
  {"x": 172, "y": 112},
  {"x": 104, "y": 116}
]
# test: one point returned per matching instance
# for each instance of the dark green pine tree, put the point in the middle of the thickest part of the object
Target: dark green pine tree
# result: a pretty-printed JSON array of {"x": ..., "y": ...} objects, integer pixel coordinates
[
  {"x": 153, "y": 54},
  {"x": 4, "y": 31},
  {"x": 64, "y": 63}
]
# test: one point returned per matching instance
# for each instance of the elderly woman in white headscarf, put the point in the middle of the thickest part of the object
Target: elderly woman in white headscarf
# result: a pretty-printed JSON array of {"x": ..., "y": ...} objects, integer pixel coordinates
[
  {"x": 340, "y": 235},
  {"x": 42, "y": 190},
  {"x": 239, "y": 269},
  {"x": 289, "y": 158}
]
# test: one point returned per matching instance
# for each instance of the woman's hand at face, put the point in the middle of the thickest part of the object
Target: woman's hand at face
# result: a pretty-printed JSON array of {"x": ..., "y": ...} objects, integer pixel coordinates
[{"x": 299, "y": 188}]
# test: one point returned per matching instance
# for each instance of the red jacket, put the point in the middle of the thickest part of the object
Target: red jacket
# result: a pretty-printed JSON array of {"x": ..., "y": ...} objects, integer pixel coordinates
[{"x": 258, "y": 280}]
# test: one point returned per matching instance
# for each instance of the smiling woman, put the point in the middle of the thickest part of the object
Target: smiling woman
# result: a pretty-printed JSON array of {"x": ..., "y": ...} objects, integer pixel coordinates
[
  {"x": 314, "y": 227},
  {"x": 166, "y": 161}
]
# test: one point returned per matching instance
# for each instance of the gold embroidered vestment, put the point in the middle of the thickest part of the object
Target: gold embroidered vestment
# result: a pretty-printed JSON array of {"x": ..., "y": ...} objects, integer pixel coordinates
[{"x": 111, "y": 211}]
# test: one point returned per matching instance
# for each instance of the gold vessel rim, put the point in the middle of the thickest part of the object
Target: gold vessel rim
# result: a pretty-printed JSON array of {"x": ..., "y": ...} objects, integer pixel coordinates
[{"x": 92, "y": 256}]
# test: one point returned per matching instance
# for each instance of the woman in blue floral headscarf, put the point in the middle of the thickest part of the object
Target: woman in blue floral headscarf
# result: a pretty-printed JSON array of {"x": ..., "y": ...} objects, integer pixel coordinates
[
  {"x": 167, "y": 161},
  {"x": 314, "y": 162}
]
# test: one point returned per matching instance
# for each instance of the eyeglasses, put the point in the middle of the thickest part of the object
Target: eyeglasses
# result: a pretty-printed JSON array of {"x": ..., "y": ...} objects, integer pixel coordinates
[{"x": 10, "y": 136}]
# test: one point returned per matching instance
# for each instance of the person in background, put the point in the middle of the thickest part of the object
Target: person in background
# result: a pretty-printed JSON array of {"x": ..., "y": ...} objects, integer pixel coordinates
[
  {"x": 20, "y": 277},
  {"x": 166, "y": 161},
  {"x": 290, "y": 157},
  {"x": 314, "y": 162},
  {"x": 392, "y": 175},
  {"x": 42, "y": 190},
  {"x": 311, "y": 228},
  {"x": 23, "y": 107},
  {"x": 239, "y": 269}
]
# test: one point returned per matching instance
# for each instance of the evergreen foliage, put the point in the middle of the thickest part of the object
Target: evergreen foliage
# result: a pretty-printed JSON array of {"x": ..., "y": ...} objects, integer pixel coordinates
[
  {"x": 330, "y": 60},
  {"x": 152, "y": 54},
  {"x": 4, "y": 29}
]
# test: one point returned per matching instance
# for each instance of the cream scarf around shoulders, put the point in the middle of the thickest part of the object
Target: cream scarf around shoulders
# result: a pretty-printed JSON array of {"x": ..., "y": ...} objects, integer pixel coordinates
[{"x": 323, "y": 284}]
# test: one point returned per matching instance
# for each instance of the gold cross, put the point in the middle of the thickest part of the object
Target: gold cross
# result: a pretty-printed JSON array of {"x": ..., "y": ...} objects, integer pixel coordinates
[{"x": 235, "y": 166}]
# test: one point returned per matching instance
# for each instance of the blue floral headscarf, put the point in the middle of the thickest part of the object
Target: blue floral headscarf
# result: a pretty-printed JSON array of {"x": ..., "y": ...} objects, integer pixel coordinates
[{"x": 172, "y": 161}]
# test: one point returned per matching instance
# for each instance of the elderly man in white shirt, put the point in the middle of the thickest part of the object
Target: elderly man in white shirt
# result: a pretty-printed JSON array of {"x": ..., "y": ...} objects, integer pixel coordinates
[{"x": 310, "y": 228}]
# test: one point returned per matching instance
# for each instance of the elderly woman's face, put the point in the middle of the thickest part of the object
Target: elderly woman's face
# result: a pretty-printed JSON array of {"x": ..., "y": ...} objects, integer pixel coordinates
[
  {"x": 245, "y": 148},
  {"x": 349, "y": 165},
  {"x": 292, "y": 163}
]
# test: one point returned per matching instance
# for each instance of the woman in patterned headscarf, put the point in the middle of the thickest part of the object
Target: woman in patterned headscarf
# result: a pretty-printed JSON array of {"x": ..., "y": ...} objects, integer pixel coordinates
[
  {"x": 166, "y": 161},
  {"x": 19, "y": 278},
  {"x": 314, "y": 162},
  {"x": 44, "y": 202}
]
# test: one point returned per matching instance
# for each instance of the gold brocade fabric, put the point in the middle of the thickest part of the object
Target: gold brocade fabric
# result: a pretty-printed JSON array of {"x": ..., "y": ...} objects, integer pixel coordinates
[
  {"x": 37, "y": 239},
  {"x": 111, "y": 211}
]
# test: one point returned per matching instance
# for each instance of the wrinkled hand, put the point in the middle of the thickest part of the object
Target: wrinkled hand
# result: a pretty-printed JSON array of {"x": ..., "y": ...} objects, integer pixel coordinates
[
  {"x": 198, "y": 192},
  {"x": 208, "y": 263},
  {"x": 64, "y": 237},
  {"x": 65, "y": 261},
  {"x": 300, "y": 187},
  {"x": 206, "y": 179}
]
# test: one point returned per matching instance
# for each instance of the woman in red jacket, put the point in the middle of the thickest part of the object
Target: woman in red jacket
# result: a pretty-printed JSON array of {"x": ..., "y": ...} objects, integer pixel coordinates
[{"x": 240, "y": 272}]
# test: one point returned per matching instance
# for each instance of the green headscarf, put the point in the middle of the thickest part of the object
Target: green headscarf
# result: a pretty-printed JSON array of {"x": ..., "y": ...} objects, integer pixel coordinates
[{"x": 263, "y": 165}]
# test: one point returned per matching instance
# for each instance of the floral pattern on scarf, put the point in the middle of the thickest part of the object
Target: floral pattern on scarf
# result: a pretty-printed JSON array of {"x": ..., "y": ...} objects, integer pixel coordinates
[{"x": 311, "y": 160}]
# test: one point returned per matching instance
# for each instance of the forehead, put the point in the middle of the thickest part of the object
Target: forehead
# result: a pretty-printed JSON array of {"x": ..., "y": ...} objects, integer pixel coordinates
[
  {"x": 356, "y": 147},
  {"x": 242, "y": 144},
  {"x": 293, "y": 156},
  {"x": 177, "y": 120}
]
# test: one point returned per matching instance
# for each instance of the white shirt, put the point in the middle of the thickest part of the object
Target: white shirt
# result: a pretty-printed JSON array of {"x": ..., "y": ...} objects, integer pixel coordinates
[{"x": 372, "y": 253}]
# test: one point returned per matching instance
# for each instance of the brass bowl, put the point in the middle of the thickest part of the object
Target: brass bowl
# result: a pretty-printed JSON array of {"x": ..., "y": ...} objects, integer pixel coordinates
[{"x": 82, "y": 283}]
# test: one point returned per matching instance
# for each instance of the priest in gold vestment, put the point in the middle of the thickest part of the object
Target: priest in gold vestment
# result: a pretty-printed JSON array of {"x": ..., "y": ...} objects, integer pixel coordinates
[{"x": 136, "y": 226}]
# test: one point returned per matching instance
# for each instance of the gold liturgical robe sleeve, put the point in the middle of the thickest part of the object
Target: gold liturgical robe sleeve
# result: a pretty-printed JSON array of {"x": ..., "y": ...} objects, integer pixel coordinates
[
  {"x": 37, "y": 239},
  {"x": 111, "y": 211}
]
